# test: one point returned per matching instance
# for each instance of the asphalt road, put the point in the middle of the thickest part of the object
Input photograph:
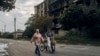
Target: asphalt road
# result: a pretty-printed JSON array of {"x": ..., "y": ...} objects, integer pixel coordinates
[{"x": 25, "y": 48}]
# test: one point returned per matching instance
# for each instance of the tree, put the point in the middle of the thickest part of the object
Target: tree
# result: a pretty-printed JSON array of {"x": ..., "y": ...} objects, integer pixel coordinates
[
  {"x": 72, "y": 17},
  {"x": 29, "y": 29},
  {"x": 7, "y": 35},
  {"x": 28, "y": 32},
  {"x": 7, "y": 5},
  {"x": 76, "y": 17},
  {"x": 93, "y": 26},
  {"x": 42, "y": 23}
]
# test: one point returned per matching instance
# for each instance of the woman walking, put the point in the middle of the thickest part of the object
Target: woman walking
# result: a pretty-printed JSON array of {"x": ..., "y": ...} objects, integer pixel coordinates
[{"x": 37, "y": 38}]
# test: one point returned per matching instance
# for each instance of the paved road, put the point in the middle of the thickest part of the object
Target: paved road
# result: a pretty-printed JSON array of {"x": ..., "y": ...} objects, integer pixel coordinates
[
  {"x": 25, "y": 48},
  {"x": 3, "y": 51}
]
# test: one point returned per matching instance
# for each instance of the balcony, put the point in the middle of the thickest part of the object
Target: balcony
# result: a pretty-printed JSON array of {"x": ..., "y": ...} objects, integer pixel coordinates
[
  {"x": 58, "y": 7},
  {"x": 52, "y": 1}
]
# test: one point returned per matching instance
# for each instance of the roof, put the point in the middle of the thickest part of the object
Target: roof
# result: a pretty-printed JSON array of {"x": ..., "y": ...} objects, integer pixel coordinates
[
  {"x": 19, "y": 31},
  {"x": 39, "y": 4}
]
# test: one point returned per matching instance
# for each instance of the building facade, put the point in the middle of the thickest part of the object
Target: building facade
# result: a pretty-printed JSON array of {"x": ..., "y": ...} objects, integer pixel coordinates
[
  {"x": 40, "y": 9},
  {"x": 18, "y": 33},
  {"x": 56, "y": 7}
]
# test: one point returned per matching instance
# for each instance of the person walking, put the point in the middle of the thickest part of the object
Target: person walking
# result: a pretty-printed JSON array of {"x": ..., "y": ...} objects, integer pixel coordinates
[
  {"x": 37, "y": 38},
  {"x": 49, "y": 35}
]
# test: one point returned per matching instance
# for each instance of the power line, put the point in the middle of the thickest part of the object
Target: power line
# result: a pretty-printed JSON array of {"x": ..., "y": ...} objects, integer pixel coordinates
[
  {"x": 14, "y": 20},
  {"x": 11, "y": 22},
  {"x": 3, "y": 29},
  {"x": 5, "y": 26},
  {"x": 19, "y": 22},
  {"x": 2, "y": 22},
  {"x": 22, "y": 9}
]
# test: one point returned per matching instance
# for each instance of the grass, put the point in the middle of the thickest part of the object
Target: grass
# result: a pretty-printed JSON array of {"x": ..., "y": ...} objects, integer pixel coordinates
[{"x": 76, "y": 40}]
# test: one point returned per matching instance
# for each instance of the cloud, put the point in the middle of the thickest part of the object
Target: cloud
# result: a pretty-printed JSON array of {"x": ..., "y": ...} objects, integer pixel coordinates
[
  {"x": 7, "y": 14},
  {"x": 28, "y": 3},
  {"x": 23, "y": 10}
]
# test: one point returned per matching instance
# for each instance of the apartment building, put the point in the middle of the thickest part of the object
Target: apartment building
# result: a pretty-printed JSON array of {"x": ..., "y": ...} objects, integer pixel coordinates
[
  {"x": 40, "y": 9},
  {"x": 56, "y": 7},
  {"x": 98, "y": 3}
]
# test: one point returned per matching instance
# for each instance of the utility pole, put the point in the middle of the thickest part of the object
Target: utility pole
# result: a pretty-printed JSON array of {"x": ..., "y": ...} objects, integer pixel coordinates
[
  {"x": 14, "y": 27},
  {"x": 4, "y": 28}
]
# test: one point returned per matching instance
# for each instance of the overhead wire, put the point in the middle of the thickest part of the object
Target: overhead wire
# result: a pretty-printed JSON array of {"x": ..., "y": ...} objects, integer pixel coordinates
[{"x": 16, "y": 20}]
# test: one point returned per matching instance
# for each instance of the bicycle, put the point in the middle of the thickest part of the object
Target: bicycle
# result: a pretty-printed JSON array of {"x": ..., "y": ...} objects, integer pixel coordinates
[{"x": 44, "y": 46}]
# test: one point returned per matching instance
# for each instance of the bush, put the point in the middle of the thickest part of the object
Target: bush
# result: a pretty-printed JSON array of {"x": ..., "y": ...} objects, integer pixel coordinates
[
  {"x": 78, "y": 18},
  {"x": 7, "y": 35}
]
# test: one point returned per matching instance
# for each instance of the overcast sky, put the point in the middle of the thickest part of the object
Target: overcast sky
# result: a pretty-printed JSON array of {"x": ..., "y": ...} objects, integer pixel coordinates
[{"x": 23, "y": 10}]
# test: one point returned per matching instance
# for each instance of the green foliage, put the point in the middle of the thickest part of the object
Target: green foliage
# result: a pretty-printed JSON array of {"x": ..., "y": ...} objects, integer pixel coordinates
[
  {"x": 42, "y": 23},
  {"x": 7, "y": 35},
  {"x": 77, "y": 17},
  {"x": 93, "y": 25},
  {"x": 70, "y": 17},
  {"x": 28, "y": 32},
  {"x": 7, "y": 5}
]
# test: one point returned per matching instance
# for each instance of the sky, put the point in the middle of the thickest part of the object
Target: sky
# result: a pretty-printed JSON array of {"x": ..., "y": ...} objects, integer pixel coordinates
[{"x": 23, "y": 10}]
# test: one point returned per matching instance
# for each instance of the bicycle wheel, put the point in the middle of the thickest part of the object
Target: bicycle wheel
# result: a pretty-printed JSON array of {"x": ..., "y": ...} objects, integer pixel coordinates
[
  {"x": 53, "y": 44},
  {"x": 52, "y": 48},
  {"x": 42, "y": 47}
]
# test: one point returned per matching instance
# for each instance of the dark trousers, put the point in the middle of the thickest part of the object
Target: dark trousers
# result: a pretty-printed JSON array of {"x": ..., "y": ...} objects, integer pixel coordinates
[{"x": 37, "y": 50}]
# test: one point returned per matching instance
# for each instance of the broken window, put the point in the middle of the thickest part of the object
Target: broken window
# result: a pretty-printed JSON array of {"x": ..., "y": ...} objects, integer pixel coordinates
[{"x": 87, "y": 2}]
